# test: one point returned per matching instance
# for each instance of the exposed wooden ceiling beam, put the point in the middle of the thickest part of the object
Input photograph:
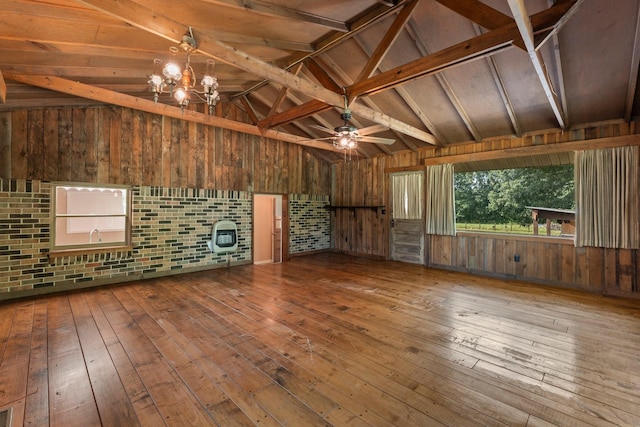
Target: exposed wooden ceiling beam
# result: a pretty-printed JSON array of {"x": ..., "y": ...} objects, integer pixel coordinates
[
  {"x": 266, "y": 122},
  {"x": 249, "y": 109},
  {"x": 557, "y": 59},
  {"x": 387, "y": 40},
  {"x": 478, "y": 12},
  {"x": 138, "y": 16},
  {"x": 366, "y": 19},
  {"x": 633, "y": 72},
  {"x": 270, "y": 9},
  {"x": 91, "y": 92},
  {"x": 322, "y": 76},
  {"x": 523, "y": 22},
  {"x": 404, "y": 94},
  {"x": 574, "y": 5},
  {"x": 481, "y": 14},
  {"x": 358, "y": 150},
  {"x": 477, "y": 47},
  {"x": 370, "y": 130},
  {"x": 300, "y": 112},
  {"x": 312, "y": 107}
]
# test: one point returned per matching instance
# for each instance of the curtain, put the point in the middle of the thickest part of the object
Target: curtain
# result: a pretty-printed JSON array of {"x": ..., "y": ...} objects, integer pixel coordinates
[
  {"x": 407, "y": 195},
  {"x": 606, "y": 185},
  {"x": 441, "y": 211}
]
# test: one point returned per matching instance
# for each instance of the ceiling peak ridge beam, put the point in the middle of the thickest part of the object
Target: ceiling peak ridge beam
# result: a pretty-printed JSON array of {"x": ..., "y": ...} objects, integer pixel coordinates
[
  {"x": 488, "y": 43},
  {"x": 269, "y": 9},
  {"x": 523, "y": 22},
  {"x": 82, "y": 90},
  {"x": 138, "y": 16}
]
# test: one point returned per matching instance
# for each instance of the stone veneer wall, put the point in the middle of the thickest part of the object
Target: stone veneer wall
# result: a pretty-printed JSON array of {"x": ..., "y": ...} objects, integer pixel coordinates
[
  {"x": 170, "y": 228},
  {"x": 309, "y": 223}
]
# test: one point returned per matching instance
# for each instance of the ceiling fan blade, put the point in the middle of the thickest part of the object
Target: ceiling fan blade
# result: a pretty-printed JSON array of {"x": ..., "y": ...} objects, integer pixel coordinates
[
  {"x": 324, "y": 129},
  {"x": 377, "y": 140},
  {"x": 328, "y": 138},
  {"x": 372, "y": 129}
]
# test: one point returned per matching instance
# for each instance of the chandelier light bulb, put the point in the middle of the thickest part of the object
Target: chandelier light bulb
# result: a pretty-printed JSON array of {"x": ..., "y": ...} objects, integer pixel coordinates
[
  {"x": 209, "y": 83},
  {"x": 182, "y": 96},
  {"x": 156, "y": 82},
  {"x": 172, "y": 72}
]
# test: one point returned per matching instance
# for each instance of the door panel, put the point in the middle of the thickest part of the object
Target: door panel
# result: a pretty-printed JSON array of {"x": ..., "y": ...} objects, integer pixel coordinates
[
  {"x": 406, "y": 236},
  {"x": 407, "y": 241}
]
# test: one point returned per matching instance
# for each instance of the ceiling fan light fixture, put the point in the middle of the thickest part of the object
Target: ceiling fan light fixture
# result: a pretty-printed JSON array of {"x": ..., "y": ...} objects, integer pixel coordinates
[{"x": 346, "y": 140}]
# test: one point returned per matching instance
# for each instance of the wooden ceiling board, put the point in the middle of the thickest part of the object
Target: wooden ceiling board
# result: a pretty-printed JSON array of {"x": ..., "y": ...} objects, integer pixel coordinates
[
  {"x": 473, "y": 85},
  {"x": 209, "y": 16},
  {"x": 524, "y": 90},
  {"x": 440, "y": 27},
  {"x": 334, "y": 9},
  {"x": 596, "y": 51}
]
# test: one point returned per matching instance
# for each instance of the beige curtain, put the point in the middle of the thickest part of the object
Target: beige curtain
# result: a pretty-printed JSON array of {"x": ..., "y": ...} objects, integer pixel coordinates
[
  {"x": 440, "y": 201},
  {"x": 407, "y": 195},
  {"x": 606, "y": 185}
]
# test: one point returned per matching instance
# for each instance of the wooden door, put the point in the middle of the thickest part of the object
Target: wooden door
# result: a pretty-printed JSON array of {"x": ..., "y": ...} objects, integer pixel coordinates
[
  {"x": 407, "y": 218},
  {"x": 277, "y": 232}
]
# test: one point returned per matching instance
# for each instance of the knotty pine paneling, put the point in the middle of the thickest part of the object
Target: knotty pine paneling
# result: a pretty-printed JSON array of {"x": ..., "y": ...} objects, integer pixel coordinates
[{"x": 122, "y": 146}]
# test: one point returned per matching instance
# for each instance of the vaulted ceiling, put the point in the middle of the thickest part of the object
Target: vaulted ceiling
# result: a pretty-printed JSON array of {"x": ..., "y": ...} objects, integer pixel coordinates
[{"x": 422, "y": 72}]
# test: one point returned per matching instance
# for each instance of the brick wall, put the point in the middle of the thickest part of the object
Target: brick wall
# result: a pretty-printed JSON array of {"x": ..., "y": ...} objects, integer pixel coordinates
[
  {"x": 170, "y": 229},
  {"x": 169, "y": 233},
  {"x": 309, "y": 223}
]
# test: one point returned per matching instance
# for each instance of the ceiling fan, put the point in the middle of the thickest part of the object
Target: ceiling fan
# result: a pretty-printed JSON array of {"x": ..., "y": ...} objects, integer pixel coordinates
[{"x": 346, "y": 137}]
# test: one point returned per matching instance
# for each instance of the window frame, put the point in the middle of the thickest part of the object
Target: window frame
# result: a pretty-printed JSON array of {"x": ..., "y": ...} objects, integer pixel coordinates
[
  {"x": 516, "y": 236},
  {"x": 95, "y": 246}
]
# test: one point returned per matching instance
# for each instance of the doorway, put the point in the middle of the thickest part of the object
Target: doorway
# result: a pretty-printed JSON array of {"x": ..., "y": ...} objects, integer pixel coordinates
[
  {"x": 269, "y": 230},
  {"x": 407, "y": 221}
]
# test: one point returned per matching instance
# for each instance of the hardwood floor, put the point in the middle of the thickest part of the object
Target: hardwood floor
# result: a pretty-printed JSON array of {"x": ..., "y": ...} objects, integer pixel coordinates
[{"x": 323, "y": 340}]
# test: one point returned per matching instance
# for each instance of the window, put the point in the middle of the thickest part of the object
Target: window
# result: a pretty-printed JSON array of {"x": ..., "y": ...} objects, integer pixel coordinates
[
  {"x": 506, "y": 201},
  {"x": 90, "y": 217},
  {"x": 407, "y": 195}
]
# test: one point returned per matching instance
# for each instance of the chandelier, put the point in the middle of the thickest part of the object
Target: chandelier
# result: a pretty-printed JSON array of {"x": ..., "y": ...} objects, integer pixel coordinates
[{"x": 181, "y": 83}]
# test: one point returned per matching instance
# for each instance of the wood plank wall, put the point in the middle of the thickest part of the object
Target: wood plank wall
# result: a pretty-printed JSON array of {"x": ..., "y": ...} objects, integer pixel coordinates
[
  {"x": 363, "y": 231},
  {"x": 123, "y": 146}
]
